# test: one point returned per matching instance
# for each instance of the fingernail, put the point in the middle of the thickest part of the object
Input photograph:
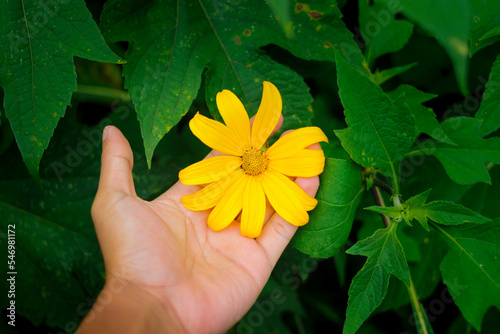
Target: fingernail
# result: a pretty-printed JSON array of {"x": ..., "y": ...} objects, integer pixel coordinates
[{"x": 105, "y": 133}]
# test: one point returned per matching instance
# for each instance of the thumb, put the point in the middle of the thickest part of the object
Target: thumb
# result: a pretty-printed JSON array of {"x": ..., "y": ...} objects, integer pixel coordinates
[{"x": 117, "y": 162}]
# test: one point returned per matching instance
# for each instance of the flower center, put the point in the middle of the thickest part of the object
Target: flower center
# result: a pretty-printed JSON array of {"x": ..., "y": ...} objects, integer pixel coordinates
[{"x": 254, "y": 162}]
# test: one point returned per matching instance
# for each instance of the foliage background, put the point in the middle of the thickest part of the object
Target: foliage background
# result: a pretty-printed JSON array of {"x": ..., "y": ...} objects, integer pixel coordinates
[{"x": 405, "y": 90}]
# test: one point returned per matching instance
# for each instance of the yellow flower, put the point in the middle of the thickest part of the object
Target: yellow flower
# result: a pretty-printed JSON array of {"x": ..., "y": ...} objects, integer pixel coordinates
[{"x": 247, "y": 173}]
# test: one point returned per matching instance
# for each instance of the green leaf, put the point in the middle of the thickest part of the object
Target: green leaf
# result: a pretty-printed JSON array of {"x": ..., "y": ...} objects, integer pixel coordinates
[
  {"x": 384, "y": 75},
  {"x": 318, "y": 28},
  {"x": 491, "y": 33},
  {"x": 389, "y": 211},
  {"x": 275, "y": 299},
  {"x": 169, "y": 50},
  {"x": 485, "y": 20},
  {"x": 172, "y": 43},
  {"x": 464, "y": 162},
  {"x": 381, "y": 32},
  {"x": 330, "y": 222},
  {"x": 281, "y": 10},
  {"x": 483, "y": 198},
  {"x": 37, "y": 43},
  {"x": 449, "y": 22},
  {"x": 369, "y": 287},
  {"x": 57, "y": 254},
  {"x": 425, "y": 118},
  {"x": 442, "y": 212},
  {"x": 489, "y": 110},
  {"x": 378, "y": 132},
  {"x": 470, "y": 268},
  {"x": 424, "y": 268}
]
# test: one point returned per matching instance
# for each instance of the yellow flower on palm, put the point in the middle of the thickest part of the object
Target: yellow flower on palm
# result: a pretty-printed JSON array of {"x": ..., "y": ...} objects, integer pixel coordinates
[{"x": 247, "y": 173}]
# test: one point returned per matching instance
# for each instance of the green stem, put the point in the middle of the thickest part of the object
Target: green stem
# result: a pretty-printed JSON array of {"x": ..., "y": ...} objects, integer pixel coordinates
[
  {"x": 382, "y": 185},
  {"x": 395, "y": 178},
  {"x": 396, "y": 200},
  {"x": 411, "y": 290},
  {"x": 299, "y": 325},
  {"x": 103, "y": 92},
  {"x": 417, "y": 309},
  {"x": 380, "y": 202}
]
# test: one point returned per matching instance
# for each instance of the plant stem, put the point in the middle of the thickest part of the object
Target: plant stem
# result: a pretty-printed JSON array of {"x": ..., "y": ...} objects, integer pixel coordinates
[
  {"x": 380, "y": 202},
  {"x": 382, "y": 185},
  {"x": 396, "y": 201},
  {"x": 416, "y": 307},
  {"x": 103, "y": 92},
  {"x": 395, "y": 179},
  {"x": 411, "y": 290},
  {"x": 300, "y": 326}
]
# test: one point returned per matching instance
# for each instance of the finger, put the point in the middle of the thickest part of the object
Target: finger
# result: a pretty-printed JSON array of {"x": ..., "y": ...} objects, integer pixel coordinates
[
  {"x": 277, "y": 232},
  {"x": 117, "y": 161}
]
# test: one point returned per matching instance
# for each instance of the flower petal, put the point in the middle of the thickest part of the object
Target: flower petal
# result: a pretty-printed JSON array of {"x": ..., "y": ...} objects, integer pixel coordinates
[
  {"x": 308, "y": 202},
  {"x": 267, "y": 116},
  {"x": 235, "y": 116},
  {"x": 209, "y": 170},
  {"x": 254, "y": 208},
  {"x": 229, "y": 206},
  {"x": 293, "y": 142},
  {"x": 305, "y": 163},
  {"x": 284, "y": 198},
  {"x": 215, "y": 135},
  {"x": 209, "y": 196}
]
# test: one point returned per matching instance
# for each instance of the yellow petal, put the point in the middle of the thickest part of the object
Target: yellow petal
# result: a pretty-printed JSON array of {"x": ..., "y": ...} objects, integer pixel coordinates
[
  {"x": 209, "y": 196},
  {"x": 284, "y": 198},
  {"x": 229, "y": 206},
  {"x": 307, "y": 202},
  {"x": 215, "y": 135},
  {"x": 293, "y": 142},
  {"x": 305, "y": 163},
  {"x": 254, "y": 208},
  {"x": 209, "y": 170},
  {"x": 235, "y": 116},
  {"x": 267, "y": 116}
]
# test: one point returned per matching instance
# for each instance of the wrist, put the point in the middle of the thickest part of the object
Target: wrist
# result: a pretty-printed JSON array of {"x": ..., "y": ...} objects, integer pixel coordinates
[{"x": 125, "y": 307}]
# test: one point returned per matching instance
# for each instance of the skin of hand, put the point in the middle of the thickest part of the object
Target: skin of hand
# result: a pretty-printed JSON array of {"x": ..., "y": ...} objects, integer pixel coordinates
[{"x": 166, "y": 270}]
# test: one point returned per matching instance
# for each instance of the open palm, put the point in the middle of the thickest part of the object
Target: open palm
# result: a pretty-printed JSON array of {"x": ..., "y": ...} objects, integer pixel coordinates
[{"x": 207, "y": 279}]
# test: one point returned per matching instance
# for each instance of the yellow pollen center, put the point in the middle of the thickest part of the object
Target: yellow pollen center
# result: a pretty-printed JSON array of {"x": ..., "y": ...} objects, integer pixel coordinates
[{"x": 254, "y": 162}]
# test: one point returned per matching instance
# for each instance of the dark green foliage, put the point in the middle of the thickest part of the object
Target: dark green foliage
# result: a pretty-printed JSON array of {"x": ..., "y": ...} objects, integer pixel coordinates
[{"x": 406, "y": 91}]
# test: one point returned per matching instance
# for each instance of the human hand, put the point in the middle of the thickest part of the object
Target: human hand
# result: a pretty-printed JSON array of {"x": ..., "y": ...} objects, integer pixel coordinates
[{"x": 164, "y": 266}]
